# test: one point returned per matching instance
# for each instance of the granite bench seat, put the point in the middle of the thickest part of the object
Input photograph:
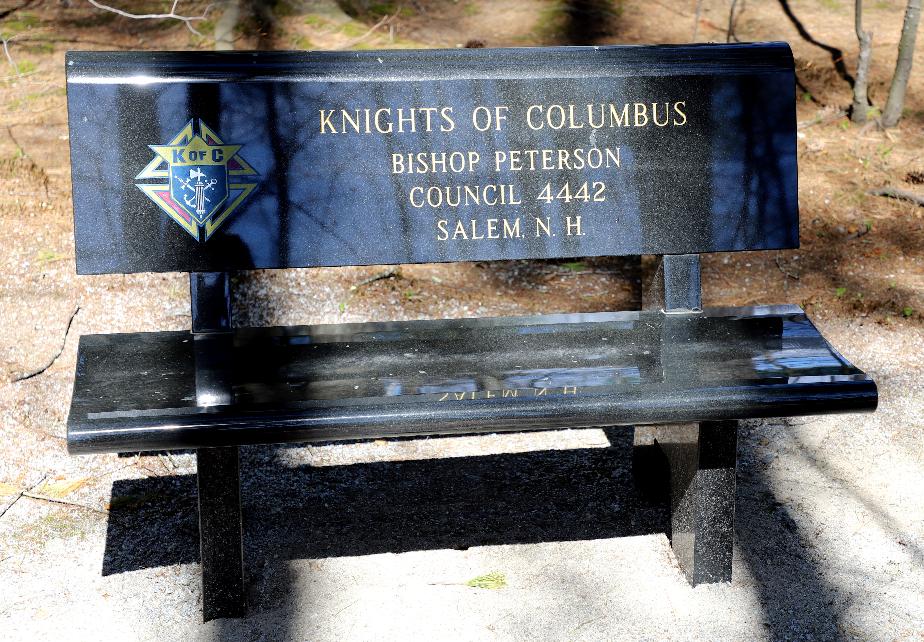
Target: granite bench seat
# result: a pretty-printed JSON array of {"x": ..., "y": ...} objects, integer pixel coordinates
[{"x": 138, "y": 392}]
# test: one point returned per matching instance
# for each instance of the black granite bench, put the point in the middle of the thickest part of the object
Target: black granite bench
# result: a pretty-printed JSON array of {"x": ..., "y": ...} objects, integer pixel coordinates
[{"x": 213, "y": 163}]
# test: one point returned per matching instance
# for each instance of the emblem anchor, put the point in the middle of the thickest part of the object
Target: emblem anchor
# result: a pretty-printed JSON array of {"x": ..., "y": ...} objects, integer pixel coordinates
[{"x": 197, "y": 199}]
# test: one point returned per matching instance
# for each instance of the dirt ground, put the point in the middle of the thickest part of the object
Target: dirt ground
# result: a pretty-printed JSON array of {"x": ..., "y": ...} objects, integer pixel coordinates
[{"x": 830, "y": 539}]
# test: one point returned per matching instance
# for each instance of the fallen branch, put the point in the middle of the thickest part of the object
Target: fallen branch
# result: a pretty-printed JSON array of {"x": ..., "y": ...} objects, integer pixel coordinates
[
  {"x": 105, "y": 473},
  {"x": 12, "y": 10},
  {"x": 551, "y": 275},
  {"x": 672, "y": 9},
  {"x": 173, "y": 15},
  {"x": 822, "y": 119},
  {"x": 384, "y": 21},
  {"x": 21, "y": 76},
  {"x": 166, "y": 457},
  {"x": 25, "y": 40},
  {"x": 779, "y": 264},
  {"x": 67, "y": 330},
  {"x": 387, "y": 274},
  {"x": 20, "y": 495},
  {"x": 55, "y": 500},
  {"x": 900, "y": 194},
  {"x": 32, "y": 164},
  {"x": 12, "y": 503}
]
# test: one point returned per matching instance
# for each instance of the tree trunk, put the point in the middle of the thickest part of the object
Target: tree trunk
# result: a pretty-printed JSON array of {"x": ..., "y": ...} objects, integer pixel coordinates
[
  {"x": 730, "y": 35},
  {"x": 224, "y": 26},
  {"x": 860, "y": 94},
  {"x": 893, "y": 109},
  {"x": 699, "y": 12}
]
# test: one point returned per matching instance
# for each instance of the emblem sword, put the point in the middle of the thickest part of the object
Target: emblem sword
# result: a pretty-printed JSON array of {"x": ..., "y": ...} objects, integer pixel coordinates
[{"x": 197, "y": 199}]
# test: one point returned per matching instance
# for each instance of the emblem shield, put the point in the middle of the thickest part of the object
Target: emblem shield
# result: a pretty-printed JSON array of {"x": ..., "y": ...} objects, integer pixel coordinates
[{"x": 199, "y": 189}]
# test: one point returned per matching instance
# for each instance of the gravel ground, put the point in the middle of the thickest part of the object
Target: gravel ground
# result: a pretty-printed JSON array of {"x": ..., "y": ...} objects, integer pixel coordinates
[{"x": 378, "y": 539}]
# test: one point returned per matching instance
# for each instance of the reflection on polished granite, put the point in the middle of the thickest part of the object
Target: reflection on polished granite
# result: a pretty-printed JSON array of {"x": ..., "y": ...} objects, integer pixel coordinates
[
  {"x": 323, "y": 382},
  {"x": 706, "y": 163}
]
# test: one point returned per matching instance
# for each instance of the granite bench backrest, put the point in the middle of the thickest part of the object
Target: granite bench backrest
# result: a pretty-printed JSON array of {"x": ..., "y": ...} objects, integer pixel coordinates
[{"x": 212, "y": 162}]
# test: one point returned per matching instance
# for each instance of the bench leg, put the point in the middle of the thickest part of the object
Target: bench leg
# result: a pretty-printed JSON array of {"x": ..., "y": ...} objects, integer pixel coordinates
[
  {"x": 220, "y": 533},
  {"x": 702, "y": 459}
]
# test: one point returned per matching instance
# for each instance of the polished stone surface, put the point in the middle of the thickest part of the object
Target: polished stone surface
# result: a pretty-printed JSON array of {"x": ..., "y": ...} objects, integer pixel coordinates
[
  {"x": 210, "y": 301},
  {"x": 139, "y": 391},
  {"x": 702, "y": 460},
  {"x": 221, "y": 533},
  {"x": 701, "y": 156}
]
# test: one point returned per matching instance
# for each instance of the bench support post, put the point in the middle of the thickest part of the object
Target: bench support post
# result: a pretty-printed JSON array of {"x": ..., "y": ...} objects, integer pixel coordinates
[
  {"x": 702, "y": 459},
  {"x": 218, "y": 469},
  {"x": 220, "y": 533},
  {"x": 210, "y": 301},
  {"x": 702, "y": 456},
  {"x": 675, "y": 286}
]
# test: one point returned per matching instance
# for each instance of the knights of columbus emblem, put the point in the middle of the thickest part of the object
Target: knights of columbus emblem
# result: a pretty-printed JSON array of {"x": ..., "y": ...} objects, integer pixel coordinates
[{"x": 206, "y": 180}]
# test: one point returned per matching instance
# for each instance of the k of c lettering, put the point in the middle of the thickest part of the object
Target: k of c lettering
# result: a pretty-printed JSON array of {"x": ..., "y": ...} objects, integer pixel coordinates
[{"x": 192, "y": 156}]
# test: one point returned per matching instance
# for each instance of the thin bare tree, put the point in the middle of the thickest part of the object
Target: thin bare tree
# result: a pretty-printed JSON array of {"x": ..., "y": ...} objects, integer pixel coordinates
[
  {"x": 225, "y": 25},
  {"x": 860, "y": 92},
  {"x": 696, "y": 18},
  {"x": 732, "y": 20},
  {"x": 893, "y": 109}
]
